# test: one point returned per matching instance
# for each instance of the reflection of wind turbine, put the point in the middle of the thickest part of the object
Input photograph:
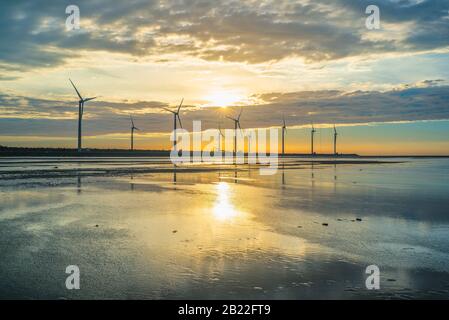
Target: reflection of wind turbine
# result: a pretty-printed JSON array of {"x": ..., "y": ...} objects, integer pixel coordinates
[
  {"x": 175, "y": 119},
  {"x": 78, "y": 183},
  {"x": 312, "y": 134},
  {"x": 80, "y": 113},
  {"x": 133, "y": 127},
  {"x": 174, "y": 174},
  {"x": 236, "y": 124},
  {"x": 284, "y": 130},
  {"x": 335, "y": 140}
]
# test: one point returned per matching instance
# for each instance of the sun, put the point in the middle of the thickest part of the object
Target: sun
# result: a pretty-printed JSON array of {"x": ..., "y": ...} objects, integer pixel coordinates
[{"x": 223, "y": 98}]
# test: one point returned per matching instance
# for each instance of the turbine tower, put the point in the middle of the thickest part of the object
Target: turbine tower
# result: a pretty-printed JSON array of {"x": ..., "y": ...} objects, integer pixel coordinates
[
  {"x": 335, "y": 140},
  {"x": 284, "y": 130},
  {"x": 311, "y": 136},
  {"x": 175, "y": 119},
  {"x": 133, "y": 127},
  {"x": 236, "y": 125},
  {"x": 80, "y": 114}
]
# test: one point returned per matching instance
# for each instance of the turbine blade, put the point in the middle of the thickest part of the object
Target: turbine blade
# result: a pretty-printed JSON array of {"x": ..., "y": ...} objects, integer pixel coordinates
[
  {"x": 241, "y": 110},
  {"x": 230, "y": 118},
  {"x": 238, "y": 123},
  {"x": 132, "y": 121},
  {"x": 179, "y": 108},
  {"x": 88, "y": 99},
  {"x": 77, "y": 92},
  {"x": 179, "y": 119},
  {"x": 171, "y": 111}
]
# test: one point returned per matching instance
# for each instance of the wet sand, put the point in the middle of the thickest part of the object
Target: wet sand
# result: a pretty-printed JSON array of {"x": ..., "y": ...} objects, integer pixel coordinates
[{"x": 137, "y": 228}]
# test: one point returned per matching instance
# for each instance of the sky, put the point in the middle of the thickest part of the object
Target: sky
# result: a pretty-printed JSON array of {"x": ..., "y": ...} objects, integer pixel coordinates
[{"x": 386, "y": 90}]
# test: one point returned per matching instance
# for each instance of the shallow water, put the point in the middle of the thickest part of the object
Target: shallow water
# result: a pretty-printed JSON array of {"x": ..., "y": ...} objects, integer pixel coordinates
[{"x": 226, "y": 233}]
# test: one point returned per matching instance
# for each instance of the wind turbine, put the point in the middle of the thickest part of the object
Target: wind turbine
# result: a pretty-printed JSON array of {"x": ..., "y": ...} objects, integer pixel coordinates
[
  {"x": 80, "y": 114},
  {"x": 236, "y": 124},
  {"x": 220, "y": 135},
  {"x": 175, "y": 119},
  {"x": 335, "y": 140},
  {"x": 284, "y": 130},
  {"x": 133, "y": 127},
  {"x": 312, "y": 134}
]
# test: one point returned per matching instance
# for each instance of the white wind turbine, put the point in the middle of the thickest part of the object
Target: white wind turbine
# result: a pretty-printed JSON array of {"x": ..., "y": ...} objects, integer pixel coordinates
[
  {"x": 284, "y": 130},
  {"x": 80, "y": 114},
  {"x": 133, "y": 127},
  {"x": 335, "y": 140},
  {"x": 220, "y": 136},
  {"x": 176, "y": 118},
  {"x": 236, "y": 125},
  {"x": 312, "y": 134}
]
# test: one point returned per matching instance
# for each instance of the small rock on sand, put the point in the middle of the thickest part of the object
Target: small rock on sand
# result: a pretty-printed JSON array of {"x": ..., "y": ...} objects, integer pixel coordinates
[
  {"x": 359, "y": 219},
  {"x": 325, "y": 224},
  {"x": 96, "y": 226},
  {"x": 174, "y": 231}
]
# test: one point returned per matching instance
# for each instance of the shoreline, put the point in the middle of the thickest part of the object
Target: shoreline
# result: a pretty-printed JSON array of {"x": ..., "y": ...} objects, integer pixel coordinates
[
  {"x": 9, "y": 152},
  {"x": 160, "y": 167}
]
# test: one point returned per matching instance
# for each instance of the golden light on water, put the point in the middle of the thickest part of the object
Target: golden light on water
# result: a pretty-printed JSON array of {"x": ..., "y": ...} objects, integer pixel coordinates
[{"x": 224, "y": 209}]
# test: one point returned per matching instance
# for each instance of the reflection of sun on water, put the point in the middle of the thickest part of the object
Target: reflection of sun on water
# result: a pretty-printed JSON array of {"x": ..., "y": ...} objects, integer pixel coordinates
[
  {"x": 223, "y": 209},
  {"x": 247, "y": 233}
]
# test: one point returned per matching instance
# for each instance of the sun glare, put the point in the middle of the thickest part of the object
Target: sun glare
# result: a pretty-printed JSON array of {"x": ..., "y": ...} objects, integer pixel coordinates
[{"x": 223, "y": 98}]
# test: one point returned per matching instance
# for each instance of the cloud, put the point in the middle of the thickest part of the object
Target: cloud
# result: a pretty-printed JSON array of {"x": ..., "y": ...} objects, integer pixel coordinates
[
  {"x": 33, "y": 33},
  {"x": 32, "y": 116}
]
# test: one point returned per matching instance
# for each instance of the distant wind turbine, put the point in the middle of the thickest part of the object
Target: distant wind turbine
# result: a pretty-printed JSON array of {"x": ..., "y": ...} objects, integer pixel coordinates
[
  {"x": 312, "y": 134},
  {"x": 236, "y": 125},
  {"x": 284, "y": 130},
  {"x": 133, "y": 127},
  {"x": 176, "y": 118},
  {"x": 80, "y": 114},
  {"x": 220, "y": 135},
  {"x": 335, "y": 140}
]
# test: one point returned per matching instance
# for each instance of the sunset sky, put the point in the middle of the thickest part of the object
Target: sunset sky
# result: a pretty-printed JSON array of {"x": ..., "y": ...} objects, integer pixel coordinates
[{"x": 386, "y": 90}]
